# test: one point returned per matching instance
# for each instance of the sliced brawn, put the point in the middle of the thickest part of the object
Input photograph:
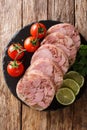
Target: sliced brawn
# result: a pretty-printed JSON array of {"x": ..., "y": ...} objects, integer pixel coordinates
[
  {"x": 64, "y": 42},
  {"x": 67, "y": 29},
  {"x": 36, "y": 90},
  {"x": 53, "y": 53},
  {"x": 50, "y": 69}
]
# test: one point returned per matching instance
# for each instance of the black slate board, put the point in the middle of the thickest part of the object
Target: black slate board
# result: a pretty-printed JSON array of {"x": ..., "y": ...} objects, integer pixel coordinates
[{"x": 20, "y": 36}]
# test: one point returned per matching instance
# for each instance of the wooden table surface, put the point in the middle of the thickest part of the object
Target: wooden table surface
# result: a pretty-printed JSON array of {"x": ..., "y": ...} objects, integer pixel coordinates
[{"x": 14, "y": 14}]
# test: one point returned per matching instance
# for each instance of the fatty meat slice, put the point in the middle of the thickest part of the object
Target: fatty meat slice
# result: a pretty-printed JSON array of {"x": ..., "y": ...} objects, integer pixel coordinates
[
  {"x": 67, "y": 29},
  {"x": 54, "y": 54},
  {"x": 50, "y": 69},
  {"x": 36, "y": 90},
  {"x": 64, "y": 42}
]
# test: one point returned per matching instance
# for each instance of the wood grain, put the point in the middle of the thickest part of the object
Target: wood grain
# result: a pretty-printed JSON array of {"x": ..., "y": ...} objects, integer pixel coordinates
[
  {"x": 10, "y": 21},
  {"x": 80, "y": 107},
  {"x": 58, "y": 119},
  {"x": 80, "y": 114},
  {"x": 32, "y": 119},
  {"x": 34, "y": 10},
  {"x": 14, "y": 15},
  {"x": 61, "y": 10},
  {"x": 81, "y": 16}
]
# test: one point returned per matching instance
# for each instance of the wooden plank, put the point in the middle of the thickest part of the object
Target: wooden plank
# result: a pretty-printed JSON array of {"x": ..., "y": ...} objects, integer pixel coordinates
[
  {"x": 60, "y": 119},
  {"x": 80, "y": 107},
  {"x": 80, "y": 113},
  {"x": 61, "y": 10},
  {"x": 34, "y": 11},
  {"x": 33, "y": 120},
  {"x": 81, "y": 16},
  {"x": 57, "y": 119},
  {"x": 10, "y": 21}
]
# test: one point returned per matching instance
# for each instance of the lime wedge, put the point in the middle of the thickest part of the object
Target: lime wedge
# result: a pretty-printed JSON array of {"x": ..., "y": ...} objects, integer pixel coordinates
[
  {"x": 75, "y": 76},
  {"x": 65, "y": 96},
  {"x": 72, "y": 84}
]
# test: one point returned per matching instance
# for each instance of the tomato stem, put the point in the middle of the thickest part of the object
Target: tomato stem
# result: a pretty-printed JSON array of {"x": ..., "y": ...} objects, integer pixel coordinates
[
  {"x": 14, "y": 64},
  {"x": 17, "y": 47},
  {"x": 22, "y": 50},
  {"x": 40, "y": 29},
  {"x": 34, "y": 42}
]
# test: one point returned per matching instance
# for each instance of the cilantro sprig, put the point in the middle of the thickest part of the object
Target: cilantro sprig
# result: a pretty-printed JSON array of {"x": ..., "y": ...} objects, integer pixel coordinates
[{"x": 80, "y": 64}]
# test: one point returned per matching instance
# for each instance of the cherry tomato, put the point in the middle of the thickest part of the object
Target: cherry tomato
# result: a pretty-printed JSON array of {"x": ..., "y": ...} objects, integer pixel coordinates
[
  {"x": 16, "y": 51},
  {"x": 15, "y": 68},
  {"x": 38, "y": 30},
  {"x": 31, "y": 44}
]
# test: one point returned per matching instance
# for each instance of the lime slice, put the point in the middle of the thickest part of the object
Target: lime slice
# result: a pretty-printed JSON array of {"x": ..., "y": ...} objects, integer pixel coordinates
[
  {"x": 75, "y": 76},
  {"x": 65, "y": 96},
  {"x": 72, "y": 84}
]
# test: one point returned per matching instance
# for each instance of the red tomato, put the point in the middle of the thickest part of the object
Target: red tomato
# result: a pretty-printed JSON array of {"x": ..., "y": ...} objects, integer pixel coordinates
[
  {"x": 38, "y": 30},
  {"x": 16, "y": 51},
  {"x": 15, "y": 68},
  {"x": 31, "y": 44}
]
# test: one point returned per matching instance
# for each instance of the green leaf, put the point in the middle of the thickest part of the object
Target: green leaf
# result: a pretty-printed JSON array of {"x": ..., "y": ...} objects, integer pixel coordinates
[{"x": 80, "y": 64}]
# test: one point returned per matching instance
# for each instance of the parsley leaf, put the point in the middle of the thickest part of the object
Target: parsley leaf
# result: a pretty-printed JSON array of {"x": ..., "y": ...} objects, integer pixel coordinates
[{"x": 80, "y": 64}]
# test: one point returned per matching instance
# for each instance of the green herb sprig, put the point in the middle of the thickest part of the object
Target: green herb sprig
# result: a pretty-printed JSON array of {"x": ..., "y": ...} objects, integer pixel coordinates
[{"x": 80, "y": 64}]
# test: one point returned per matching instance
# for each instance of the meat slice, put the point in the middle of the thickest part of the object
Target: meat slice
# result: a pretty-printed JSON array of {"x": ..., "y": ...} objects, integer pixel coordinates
[
  {"x": 50, "y": 69},
  {"x": 53, "y": 53},
  {"x": 36, "y": 90},
  {"x": 67, "y": 29},
  {"x": 64, "y": 42}
]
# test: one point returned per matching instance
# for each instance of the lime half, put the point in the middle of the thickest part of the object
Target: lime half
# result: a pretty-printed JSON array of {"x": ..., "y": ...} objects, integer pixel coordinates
[
  {"x": 72, "y": 84},
  {"x": 75, "y": 76},
  {"x": 65, "y": 96}
]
